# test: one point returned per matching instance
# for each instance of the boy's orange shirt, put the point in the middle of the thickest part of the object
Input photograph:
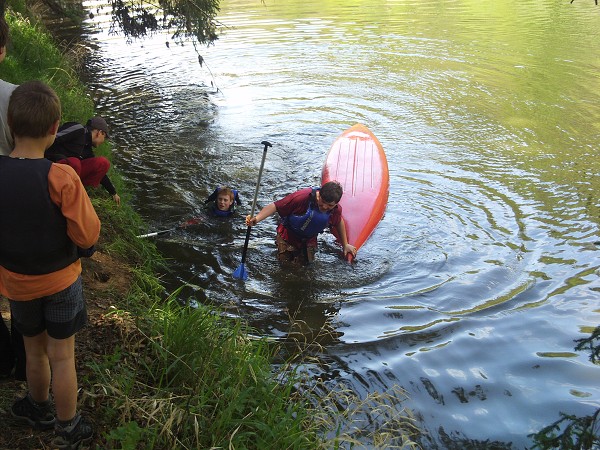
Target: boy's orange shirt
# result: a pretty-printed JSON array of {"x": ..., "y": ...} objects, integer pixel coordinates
[{"x": 83, "y": 228}]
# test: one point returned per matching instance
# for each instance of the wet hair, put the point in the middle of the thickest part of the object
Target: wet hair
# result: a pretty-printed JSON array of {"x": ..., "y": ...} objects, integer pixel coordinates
[
  {"x": 227, "y": 191},
  {"x": 4, "y": 37},
  {"x": 331, "y": 192},
  {"x": 33, "y": 108}
]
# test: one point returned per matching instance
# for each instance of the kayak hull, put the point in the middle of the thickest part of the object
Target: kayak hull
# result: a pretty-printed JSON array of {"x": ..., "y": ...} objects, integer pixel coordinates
[{"x": 357, "y": 161}]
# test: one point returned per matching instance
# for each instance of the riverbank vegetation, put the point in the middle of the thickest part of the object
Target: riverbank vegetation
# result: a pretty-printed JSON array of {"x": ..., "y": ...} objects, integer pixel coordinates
[
  {"x": 157, "y": 374},
  {"x": 135, "y": 19}
]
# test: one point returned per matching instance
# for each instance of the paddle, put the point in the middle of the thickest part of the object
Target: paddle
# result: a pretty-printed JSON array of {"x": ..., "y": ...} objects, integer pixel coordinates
[
  {"x": 240, "y": 273},
  {"x": 193, "y": 221}
]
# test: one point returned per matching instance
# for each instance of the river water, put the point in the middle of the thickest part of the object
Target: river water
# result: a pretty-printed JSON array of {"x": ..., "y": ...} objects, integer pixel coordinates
[{"x": 484, "y": 270}]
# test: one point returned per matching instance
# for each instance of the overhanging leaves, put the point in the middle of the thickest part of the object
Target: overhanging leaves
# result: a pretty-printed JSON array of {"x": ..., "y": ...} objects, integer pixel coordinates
[{"x": 183, "y": 19}]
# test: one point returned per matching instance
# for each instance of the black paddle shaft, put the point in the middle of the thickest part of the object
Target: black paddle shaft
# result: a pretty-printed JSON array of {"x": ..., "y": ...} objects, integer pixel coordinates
[
  {"x": 262, "y": 165},
  {"x": 246, "y": 244}
]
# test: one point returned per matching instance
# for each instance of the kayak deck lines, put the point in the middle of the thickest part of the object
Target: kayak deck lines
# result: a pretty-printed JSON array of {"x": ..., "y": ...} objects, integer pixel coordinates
[{"x": 357, "y": 161}]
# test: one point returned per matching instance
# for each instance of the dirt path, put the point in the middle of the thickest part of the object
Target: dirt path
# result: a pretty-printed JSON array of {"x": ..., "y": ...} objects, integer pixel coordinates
[{"x": 106, "y": 280}]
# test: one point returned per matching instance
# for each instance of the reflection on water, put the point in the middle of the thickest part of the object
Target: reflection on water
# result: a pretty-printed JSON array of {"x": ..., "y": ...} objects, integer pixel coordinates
[{"x": 471, "y": 291}]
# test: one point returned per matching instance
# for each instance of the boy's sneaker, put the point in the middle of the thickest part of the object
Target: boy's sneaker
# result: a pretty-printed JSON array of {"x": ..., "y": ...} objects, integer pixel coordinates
[
  {"x": 79, "y": 431},
  {"x": 38, "y": 415}
]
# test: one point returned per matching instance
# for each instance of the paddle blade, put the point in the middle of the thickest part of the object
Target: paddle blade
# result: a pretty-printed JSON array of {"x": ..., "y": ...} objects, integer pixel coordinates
[{"x": 240, "y": 273}]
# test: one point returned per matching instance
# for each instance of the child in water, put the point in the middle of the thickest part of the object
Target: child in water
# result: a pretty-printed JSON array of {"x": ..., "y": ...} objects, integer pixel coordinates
[{"x": 222, "y": 201}]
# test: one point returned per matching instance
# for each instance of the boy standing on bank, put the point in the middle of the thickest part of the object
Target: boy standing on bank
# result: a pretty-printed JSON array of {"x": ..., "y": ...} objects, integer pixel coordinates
[
  {"x": 304, "y": 214},
  {"x": 45, "y": 215}
]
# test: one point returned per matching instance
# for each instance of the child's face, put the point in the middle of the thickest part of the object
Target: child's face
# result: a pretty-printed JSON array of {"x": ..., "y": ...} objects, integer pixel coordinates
[
  {"x": 98, "y": 137},
  {"x": 224, "y": 202}
]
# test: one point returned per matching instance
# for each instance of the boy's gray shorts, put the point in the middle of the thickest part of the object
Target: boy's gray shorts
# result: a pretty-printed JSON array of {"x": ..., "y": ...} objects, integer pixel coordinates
[{"x": 62, "y": 314}]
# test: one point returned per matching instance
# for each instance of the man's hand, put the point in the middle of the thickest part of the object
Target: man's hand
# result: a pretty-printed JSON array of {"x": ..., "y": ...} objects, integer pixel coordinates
[
  {"x": 117, "y": 199},
  {"x": 349, "y": 248}
]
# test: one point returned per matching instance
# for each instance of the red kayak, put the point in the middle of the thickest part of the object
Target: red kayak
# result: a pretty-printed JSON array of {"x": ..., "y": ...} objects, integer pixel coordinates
[{"x": 357, "y": 161}]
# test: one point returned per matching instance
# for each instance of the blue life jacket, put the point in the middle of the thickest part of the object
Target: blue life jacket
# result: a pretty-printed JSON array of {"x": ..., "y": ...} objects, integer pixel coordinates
[
  {"x": 215, "y": 210},
  {"x": 312, "y": 222}
]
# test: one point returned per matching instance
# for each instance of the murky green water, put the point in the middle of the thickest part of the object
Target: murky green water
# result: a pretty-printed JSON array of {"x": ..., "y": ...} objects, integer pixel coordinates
[{"x": 473, "y": 288}]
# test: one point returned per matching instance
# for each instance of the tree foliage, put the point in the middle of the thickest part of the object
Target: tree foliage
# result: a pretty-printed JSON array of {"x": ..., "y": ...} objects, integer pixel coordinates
[
  {"x": 572, "y": 432},
  {"x": 184, "y": 19},
  {"x": 592, "y": 344}
]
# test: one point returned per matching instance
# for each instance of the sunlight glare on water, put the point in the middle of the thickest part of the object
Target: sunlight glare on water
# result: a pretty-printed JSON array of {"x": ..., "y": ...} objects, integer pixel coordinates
[{"x": 483, "y": 272}]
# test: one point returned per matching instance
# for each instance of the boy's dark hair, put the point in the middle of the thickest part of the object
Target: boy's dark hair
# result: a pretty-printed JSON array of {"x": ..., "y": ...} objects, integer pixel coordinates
[
  {"x": 33, "y": 108},
  {"x": 3, "y": 32},
  {"x": 331, "y": 192},
  {"x": 97, "y": 123}
]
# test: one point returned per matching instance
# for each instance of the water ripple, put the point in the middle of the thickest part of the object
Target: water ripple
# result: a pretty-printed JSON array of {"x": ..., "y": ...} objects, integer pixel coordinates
[{"x": 483, "y": 271}]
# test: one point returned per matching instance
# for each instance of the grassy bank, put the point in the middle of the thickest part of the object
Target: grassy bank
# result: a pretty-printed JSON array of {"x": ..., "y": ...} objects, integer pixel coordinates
[
  {"x": 181, "y": 378},
  {"x": 154, "y": 374}
]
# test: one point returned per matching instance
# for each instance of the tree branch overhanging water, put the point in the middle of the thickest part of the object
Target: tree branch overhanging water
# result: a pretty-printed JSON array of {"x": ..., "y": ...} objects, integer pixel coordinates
[{"x": 184, "y": 19}]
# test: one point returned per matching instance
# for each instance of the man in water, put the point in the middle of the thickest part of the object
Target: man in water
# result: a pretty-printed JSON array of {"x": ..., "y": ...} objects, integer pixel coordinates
[{"x": 304, "y": 214}]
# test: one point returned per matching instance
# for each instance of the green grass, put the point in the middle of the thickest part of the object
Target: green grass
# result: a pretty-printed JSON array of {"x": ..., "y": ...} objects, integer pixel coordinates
[
  {"x": 181, "y": 377},
  {"x": 33, "y": 55},
  {"x": 199, "y": 382}
]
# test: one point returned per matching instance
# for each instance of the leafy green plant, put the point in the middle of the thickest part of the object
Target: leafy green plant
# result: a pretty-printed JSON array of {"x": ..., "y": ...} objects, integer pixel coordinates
[
  {"x": 129, "y": 436},
  {"x": 184, "y": 18}
]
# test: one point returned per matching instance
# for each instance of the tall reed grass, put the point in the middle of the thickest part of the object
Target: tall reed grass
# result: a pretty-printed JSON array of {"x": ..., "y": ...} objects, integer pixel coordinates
[
  {"x": 194, "y": 380},
  {"x": 189, "y": 378}
]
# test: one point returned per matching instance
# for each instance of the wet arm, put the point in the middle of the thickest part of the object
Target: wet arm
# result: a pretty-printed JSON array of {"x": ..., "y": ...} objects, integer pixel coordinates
[
  {"x": 267, "y": 211},
  {"x": 341, "y": 229}
]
